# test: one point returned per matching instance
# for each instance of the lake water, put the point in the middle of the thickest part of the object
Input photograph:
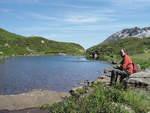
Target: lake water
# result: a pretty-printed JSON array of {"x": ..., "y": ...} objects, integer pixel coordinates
[{"x": 59, "y": 73}]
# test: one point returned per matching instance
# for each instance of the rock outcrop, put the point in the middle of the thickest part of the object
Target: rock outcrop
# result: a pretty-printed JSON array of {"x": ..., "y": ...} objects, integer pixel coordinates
[{"x": 140, "y": 79}]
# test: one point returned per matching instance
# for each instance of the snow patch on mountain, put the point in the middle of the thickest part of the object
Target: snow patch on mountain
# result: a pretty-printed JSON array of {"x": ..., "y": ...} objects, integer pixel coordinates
[{"x": 130, "y": 32}]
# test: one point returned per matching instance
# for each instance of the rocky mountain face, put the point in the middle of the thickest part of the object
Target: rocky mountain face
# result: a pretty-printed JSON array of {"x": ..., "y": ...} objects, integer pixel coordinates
[{"x": 130, "y": 32}]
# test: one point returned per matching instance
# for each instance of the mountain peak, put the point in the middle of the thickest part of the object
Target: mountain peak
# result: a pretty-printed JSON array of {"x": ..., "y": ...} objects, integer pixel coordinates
[{"x": 130, "y": 32}]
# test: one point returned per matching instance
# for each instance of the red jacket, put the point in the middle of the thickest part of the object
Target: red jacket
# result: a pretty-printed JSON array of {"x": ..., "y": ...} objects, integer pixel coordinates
[{"x": 127, "y": 64}]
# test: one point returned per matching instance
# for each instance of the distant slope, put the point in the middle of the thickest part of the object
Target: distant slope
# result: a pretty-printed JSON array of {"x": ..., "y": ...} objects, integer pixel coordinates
[
  {"x": 136, "y": 48},
  {"x": 13, "y": 44},
  {"x": 130, "y": 32},
  {"x": 111, "y": 49}
]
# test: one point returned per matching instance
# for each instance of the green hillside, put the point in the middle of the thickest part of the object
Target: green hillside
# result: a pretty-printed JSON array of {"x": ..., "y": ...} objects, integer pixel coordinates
[
  {"x": 136, "y": 47},
  {"x": 13, "y": 44}
]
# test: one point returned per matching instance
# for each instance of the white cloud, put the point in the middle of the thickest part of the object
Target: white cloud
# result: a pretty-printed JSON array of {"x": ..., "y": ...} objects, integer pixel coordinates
[
  {"x": 77, "y": 17},
  {"x": 81, "y": 19},
  {"x": 42, "y": 17},
  {"x": 89, "y": 18}
]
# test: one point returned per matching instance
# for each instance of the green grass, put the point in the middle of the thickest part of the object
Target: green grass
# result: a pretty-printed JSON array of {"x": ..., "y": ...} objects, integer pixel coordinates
[
  {"x": 104, "y": 100},
  {"x": 142, "y": 59},
  {"x": 13, "y": 44}
]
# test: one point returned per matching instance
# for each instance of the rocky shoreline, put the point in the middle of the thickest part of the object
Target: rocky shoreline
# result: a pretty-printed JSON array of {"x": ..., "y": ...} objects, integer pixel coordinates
[
  {"x": 36, "y": 98},
  {"x": 137, "y": 80}
]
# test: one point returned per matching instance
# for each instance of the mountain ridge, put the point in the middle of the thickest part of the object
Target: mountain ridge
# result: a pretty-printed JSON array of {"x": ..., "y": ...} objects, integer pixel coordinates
[{"x": 135, "y": 32}]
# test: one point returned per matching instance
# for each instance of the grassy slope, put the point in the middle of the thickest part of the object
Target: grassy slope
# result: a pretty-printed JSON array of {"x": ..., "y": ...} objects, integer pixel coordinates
[
  {"x": 142, "y": 59},
  {"x": 105, "y": 100},
  {"x": 11, "y": 43},
  {"x": 136, "y": 47}
]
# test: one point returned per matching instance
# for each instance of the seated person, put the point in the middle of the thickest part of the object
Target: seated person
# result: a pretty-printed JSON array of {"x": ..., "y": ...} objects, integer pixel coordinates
[{"x": 124, "y": 70}]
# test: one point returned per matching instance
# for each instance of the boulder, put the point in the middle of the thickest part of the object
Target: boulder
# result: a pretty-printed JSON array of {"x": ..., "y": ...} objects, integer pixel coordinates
[{"x": 140, "y": 79}]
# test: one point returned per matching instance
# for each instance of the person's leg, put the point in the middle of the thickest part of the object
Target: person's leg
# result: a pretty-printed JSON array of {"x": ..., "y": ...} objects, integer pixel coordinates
[
  {"x": 125, "y": 84},
  {"x": 116, "y": 72},
  {"x": 124, "y": 76},
  {"x": 114, "y": 76}
]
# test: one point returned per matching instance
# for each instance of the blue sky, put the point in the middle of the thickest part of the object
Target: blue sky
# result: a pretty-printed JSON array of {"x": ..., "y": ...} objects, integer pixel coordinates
[{"x": 87, "y": 22}]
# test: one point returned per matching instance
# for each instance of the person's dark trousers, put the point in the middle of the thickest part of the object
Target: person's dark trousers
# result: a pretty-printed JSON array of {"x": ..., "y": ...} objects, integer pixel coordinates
[{"x": 114, "y": 76}]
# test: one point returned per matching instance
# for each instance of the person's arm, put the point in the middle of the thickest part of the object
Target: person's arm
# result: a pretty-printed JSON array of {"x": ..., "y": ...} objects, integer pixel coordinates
[
  {"x": 116, "y": 65},
  {"x": 121, "y": 64},
  {"x": 125, "y": 63}
]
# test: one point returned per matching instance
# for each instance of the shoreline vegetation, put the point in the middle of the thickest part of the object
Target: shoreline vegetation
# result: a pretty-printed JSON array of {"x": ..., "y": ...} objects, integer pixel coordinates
[
  {"x": 59, "y": 54},
  {"x": 94, "y": 97},
  {"x": 99, "y": 97}
]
